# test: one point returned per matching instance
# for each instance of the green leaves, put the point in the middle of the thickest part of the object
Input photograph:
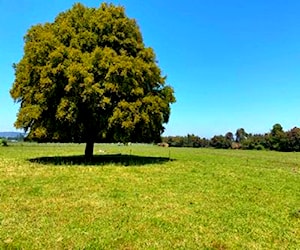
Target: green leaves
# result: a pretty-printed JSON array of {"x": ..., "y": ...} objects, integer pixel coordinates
[{"x": 88, "y": 74}]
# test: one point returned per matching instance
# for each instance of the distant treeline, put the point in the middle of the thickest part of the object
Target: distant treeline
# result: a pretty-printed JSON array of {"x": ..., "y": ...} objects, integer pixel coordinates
[{"x": 277, "y": 139}]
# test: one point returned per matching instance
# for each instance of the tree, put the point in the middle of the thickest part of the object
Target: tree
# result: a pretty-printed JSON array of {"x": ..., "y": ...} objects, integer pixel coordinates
[
  {"x": 277, "y": 138},
  {"x": 240, "y": 135},
  {"x": 293, "y": 136},
  {"x": 3, "y": 142},
  {"x": 256, "y": 141},
  {"x": 229, "y": 136},
  {"x": 88, "y": 77},
  {"x": 276, "y": 129},
  {"x": 220, "y": 141}
]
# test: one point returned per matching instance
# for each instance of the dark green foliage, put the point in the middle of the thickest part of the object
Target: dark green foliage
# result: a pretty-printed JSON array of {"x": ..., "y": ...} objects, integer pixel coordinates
[
  {"x": 293, "y": 142},
  {"x": 229, "y": 136},
  {"x": 186, "y": 141},
  {"x": 240, "y": 135},
  {"x": 277, "y": 139},
  {"x": 257, "y": 141},
  {"x": 3, "y": 142},
  {"x": 220, "y": 141},
  {"x": 88, "y": 77}
]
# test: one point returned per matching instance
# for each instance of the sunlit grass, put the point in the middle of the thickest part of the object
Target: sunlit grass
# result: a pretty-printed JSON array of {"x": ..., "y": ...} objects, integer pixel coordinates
[{"x": 201, "y": 199}]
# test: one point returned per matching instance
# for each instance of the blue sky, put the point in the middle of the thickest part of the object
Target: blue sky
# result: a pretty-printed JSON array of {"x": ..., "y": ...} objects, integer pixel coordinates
[{"x": 232, "y": 63}]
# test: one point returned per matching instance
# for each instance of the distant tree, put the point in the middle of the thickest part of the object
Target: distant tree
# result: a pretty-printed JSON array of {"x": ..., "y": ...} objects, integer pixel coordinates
[
  {"x": 276, "y": 129},
  {"x": 257, "y": 141},
  {"x": 277, "y": 138},
  {"x": 229, "y": 136},
  {"x": 174, "y": 141},
  {"x": 3, "y": 142},
  {"x": 196, "y": 142},
  {"x": 220, "y": 141},
  {"x": 88, "y": 77},
  {"x": 293, "y": 138},
  {"x": 240, "y": 135},
  {"x": 190, "y": 140}
]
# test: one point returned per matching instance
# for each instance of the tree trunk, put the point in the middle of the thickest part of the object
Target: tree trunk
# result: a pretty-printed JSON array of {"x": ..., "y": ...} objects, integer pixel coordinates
[{"x": 89, "y": 150}]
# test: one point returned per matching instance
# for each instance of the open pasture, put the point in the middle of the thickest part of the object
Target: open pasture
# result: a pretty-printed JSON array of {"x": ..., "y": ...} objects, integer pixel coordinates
[{"x": 139, "y": 199}]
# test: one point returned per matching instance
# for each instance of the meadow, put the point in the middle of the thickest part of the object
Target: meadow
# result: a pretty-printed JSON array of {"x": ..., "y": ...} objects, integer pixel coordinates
[{"x": 147, "y": 197}]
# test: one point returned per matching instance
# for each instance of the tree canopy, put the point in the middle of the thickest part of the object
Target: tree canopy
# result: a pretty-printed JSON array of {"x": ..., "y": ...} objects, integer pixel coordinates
[{"x": 88, "y": 77}]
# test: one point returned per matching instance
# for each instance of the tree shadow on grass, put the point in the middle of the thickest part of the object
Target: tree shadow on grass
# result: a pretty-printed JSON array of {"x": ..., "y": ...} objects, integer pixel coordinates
[{"x": 100, "y": 160}]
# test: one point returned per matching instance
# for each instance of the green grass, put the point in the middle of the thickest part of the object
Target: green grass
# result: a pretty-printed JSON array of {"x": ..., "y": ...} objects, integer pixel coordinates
[{"x": 201, "y": 199}]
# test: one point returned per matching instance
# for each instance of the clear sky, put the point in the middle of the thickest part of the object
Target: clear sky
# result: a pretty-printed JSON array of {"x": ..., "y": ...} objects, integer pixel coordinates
[{"x": 232, "y": 63}]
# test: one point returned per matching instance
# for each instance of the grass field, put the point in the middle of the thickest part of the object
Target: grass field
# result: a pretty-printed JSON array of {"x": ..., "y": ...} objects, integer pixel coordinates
[{"x": 200, "y": 199}]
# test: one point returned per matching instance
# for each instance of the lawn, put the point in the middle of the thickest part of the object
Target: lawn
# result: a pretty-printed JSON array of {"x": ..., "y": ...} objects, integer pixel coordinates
[{"x": 134, "y": 197}]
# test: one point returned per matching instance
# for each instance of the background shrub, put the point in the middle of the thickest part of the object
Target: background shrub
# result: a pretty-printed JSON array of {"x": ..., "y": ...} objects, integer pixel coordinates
[{"x": 3, "y": 142}]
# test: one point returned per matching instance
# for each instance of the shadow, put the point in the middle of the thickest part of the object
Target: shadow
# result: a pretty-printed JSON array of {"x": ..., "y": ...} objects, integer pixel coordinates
[{"x": 100, "y": 160}]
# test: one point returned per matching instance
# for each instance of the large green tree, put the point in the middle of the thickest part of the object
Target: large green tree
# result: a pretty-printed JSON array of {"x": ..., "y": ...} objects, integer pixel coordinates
[{"x": 88, "y": 77}]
